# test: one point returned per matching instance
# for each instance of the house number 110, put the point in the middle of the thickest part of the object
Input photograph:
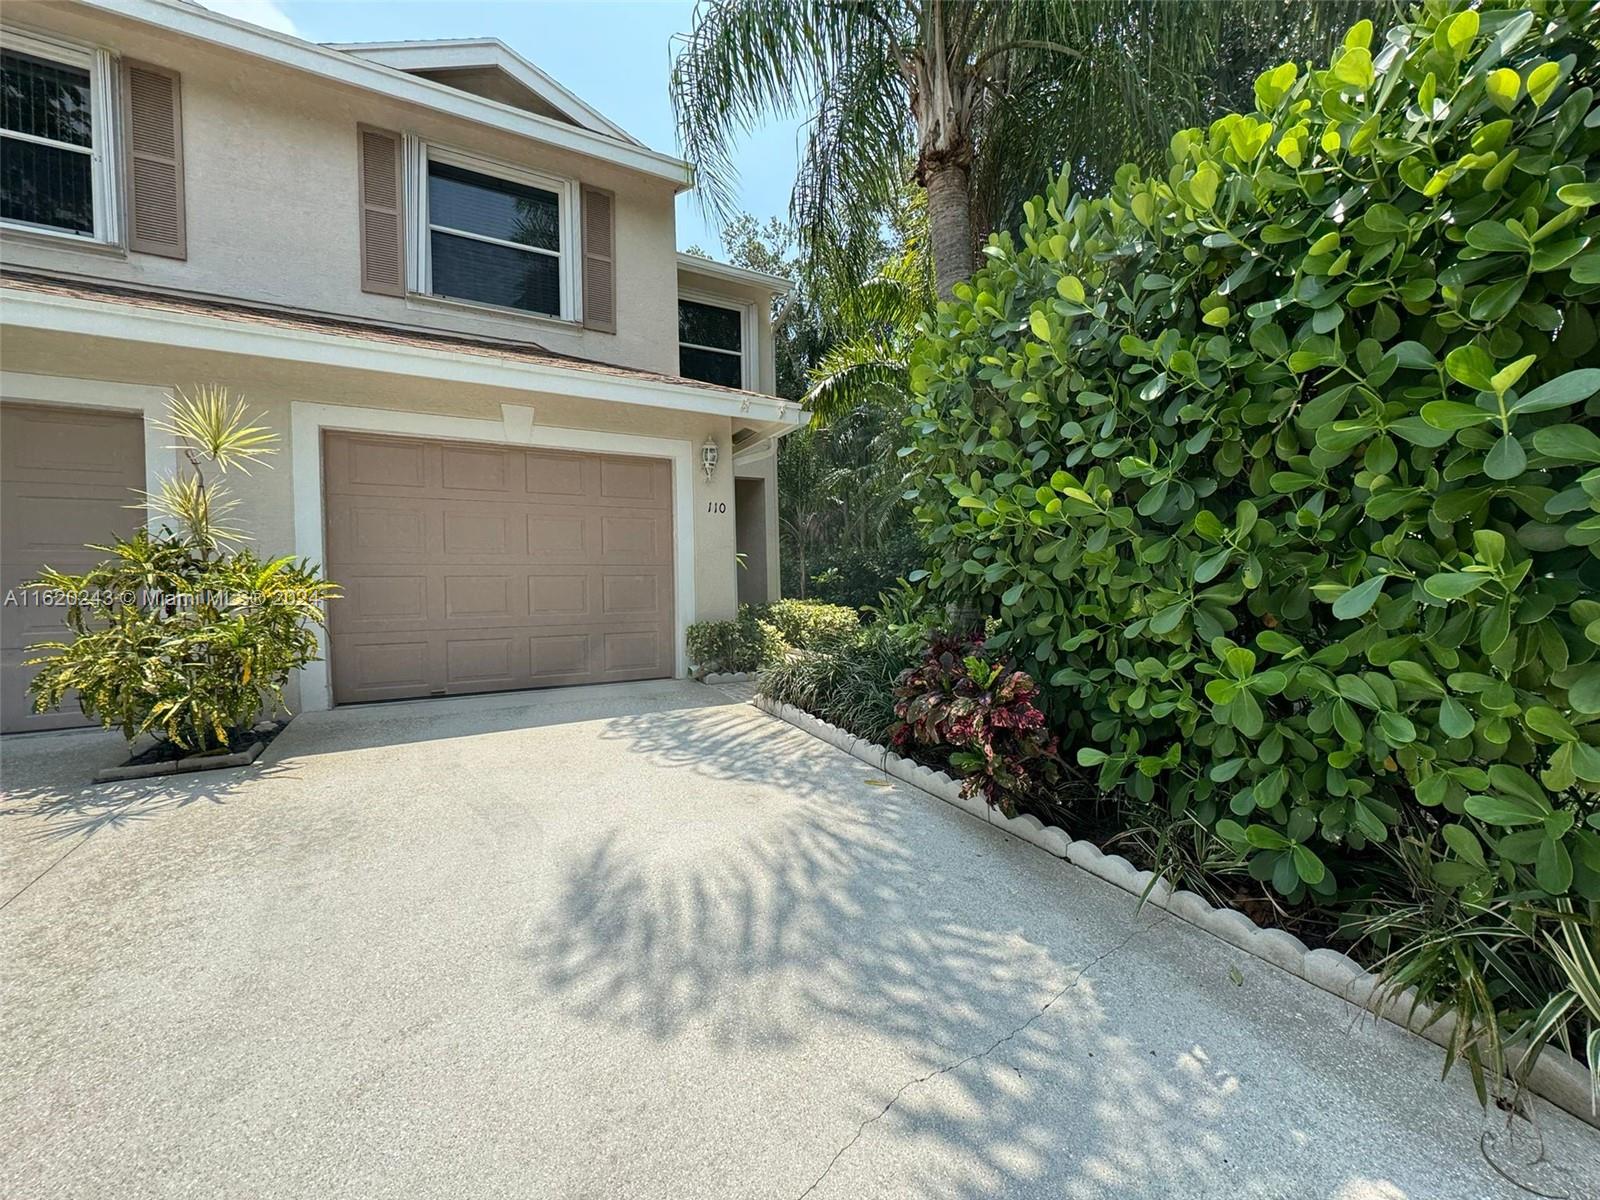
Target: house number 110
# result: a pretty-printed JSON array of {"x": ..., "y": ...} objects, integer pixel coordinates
[{"x": 716, "y": 506}]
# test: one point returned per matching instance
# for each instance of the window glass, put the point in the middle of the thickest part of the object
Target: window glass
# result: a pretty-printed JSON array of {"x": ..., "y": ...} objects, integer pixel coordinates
[
  {"x": 44, "y": 99},
  {"x": 711, "y": 366},
  {"x": 497, "y": 208},
  {"x": 468, "y": 269},
  {"x": 709, "y": 325},
  {"x": 44, "y": 185},
  {"x": 47, "y": 182}
]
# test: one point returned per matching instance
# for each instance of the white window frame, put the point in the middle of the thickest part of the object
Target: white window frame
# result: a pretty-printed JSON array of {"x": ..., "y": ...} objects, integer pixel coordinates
[
  {"x": 748, "y": 366},
  {"x": 419, "y": 243},
  {"x": 105, "y": 177}
]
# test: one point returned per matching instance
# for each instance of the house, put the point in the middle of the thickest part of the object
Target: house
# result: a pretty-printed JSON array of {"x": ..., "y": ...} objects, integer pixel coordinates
[{"x": 531, "y": 440}]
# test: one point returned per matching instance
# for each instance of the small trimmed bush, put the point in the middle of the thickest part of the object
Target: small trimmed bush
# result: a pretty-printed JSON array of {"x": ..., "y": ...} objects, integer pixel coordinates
[
  {"x": 744, "y": 644},
  {"x": 810, "y": 624}
]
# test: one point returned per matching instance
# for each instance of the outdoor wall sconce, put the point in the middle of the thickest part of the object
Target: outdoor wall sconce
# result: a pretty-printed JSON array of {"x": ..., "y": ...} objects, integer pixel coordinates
[{"x": 709, "y": 454}]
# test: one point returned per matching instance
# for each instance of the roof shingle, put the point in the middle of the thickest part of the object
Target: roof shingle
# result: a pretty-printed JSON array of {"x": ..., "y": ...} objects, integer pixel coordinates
[{"x": 312, "y": 322}]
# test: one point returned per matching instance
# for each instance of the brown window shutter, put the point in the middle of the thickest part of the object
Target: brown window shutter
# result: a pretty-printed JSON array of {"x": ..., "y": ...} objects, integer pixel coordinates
[
  {"x": 152, "y": 114},
  {"x": 599, "y": 260},
  {"x": 382, "y": 230}
]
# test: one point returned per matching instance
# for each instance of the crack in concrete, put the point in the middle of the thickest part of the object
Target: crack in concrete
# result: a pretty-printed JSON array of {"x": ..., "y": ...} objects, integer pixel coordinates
[
  {"x": 985, "y": 1052},
  {"x": 63, "y": 857}
]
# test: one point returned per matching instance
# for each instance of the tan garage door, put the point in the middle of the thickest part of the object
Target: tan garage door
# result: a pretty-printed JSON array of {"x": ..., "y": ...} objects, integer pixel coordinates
[
  {"x": 67, "y": 477},
  {"x": 469, "y": 568}
]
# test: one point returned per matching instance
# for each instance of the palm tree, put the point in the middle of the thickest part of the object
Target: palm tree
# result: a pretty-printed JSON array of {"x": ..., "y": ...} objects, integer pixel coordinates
[{"x": 979, "y": 100}]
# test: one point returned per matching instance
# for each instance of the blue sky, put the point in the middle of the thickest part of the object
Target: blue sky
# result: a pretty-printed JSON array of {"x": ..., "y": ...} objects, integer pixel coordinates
[{"x": 615, "y": 54}]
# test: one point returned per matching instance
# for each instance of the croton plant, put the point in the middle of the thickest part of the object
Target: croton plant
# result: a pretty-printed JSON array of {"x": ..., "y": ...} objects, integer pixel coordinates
[{"x": 981, "y": 709}]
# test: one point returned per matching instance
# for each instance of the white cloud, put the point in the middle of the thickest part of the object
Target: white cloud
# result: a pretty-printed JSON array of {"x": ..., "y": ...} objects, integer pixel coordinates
[{"x": 268, "y": 14}]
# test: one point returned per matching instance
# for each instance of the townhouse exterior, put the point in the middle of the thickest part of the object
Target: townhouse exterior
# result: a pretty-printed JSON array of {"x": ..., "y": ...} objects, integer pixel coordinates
[{"x": 530, "y": 440}]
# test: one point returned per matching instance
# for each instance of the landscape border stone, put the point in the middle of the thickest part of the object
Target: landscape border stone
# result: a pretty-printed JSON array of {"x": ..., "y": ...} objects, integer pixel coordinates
[
  {"x": 716, "y": 677},
  {"x": 181, "y": 766},
  {"x": 1556, "y": 1077}
]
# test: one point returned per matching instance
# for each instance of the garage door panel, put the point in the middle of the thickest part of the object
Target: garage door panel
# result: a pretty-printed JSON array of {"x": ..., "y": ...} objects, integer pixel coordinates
[
  {"x": 371, "y": 530},
  {"x": 385, "y": 464},
  {"x": 633, "y": 538},
  {"x": 17, "y": 710},
  {"x": 53, "y": 529},
  {"x": 472, "y": 531},
  {"x": 482, "y": 597},
  {"x": 561, "y": 534},
  {"x": 556, "y": 477},
  {"x": 476, "y": 470},
  {"x": 72, "y": 446},
  {"x": 380, "y": 599},
  {"x": 503, "y": 569},
  {"x": 562, "y": 597},
  {"x": 559, "y": 656},
  {"x": 387, "y": 668},
  {"x": 628, "y": 479},
  {"x": 474, "y": 664},
  {"x": 636, "y": 650},
  {"x": 632, "y": 596},
  {"x": 68, "y": 477}
]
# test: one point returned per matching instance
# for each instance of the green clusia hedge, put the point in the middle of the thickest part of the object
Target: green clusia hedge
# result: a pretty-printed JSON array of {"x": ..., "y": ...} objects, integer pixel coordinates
[{"x": 1279, "y": 467}]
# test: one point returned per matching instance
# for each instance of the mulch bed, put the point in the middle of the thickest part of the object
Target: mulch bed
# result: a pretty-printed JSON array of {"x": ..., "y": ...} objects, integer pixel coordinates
[
  {"x": 165, "y": 758},
  {"x": 240, "y": 742}
]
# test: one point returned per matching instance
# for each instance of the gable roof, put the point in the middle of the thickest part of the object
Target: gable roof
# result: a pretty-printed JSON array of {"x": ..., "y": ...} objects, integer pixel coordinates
[
  {"x": 184, "y": 19},
  {"x": 455, "y": 54}
]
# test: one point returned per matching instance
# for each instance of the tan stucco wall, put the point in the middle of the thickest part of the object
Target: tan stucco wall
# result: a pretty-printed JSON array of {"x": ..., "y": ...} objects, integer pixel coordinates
[
  {"x": 758, "y": 298},
  {"x": 271, "y": 207},
  {"x": 267, "y": 505},
  {"x": 271, "y": 198}
]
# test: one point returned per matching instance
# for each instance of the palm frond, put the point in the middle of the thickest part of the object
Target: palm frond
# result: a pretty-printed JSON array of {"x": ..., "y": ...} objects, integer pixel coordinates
[
  {"x": 860, "y": 371},
  {"x": 746, "y": 60}
]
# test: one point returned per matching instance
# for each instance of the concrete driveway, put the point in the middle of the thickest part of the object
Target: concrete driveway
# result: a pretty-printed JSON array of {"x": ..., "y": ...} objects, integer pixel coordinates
[{"x": 646, "y": 941}]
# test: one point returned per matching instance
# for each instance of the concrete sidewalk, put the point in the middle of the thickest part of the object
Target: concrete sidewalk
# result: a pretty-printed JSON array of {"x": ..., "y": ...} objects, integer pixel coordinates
[{"x": 647, "y": 941}]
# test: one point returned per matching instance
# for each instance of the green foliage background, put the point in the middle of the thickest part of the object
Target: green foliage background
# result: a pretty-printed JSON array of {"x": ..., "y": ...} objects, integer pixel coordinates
[{"x": 1279, "y": 467}]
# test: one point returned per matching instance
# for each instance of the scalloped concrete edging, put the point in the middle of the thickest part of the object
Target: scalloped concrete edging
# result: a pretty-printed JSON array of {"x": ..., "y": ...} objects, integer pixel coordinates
[{"x": 1557, "y": 1078}]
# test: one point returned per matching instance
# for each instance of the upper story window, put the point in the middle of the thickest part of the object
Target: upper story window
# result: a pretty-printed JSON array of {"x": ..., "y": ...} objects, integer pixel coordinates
[
  {"x": 55, "y": 138},
  {"x": 493, "y": 234},
  {"x": 711, "y": 341}
]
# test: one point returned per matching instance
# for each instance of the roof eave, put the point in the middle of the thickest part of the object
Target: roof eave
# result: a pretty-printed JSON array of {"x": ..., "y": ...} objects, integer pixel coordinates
[
  {"x": 190, "y": 20},
  {"x": 106, "y": 318},
  {"x": 775, "y": 284}
]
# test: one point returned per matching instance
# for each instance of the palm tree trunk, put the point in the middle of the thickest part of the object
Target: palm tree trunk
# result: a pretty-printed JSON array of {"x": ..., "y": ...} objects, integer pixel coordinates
[{"x": 949, "y": 226}]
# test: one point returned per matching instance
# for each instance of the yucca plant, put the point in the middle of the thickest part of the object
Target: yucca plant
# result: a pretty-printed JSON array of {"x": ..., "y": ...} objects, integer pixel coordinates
[
  {"x": 213, "y": 430},
  {"x": 181, "y": 632}
]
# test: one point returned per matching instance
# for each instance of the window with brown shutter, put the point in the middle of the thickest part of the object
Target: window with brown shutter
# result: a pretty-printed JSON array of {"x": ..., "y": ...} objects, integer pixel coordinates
[
  {"x": 152, "y": 115},
  {"x": 599, "y": 261},
  {"x": 382, "y": 230}
]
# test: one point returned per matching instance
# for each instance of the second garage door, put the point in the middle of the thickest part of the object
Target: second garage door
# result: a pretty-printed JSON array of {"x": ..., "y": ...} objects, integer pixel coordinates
[
  {"x": 469, "y": 568},
  {"x": 69, "y": 478}
]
